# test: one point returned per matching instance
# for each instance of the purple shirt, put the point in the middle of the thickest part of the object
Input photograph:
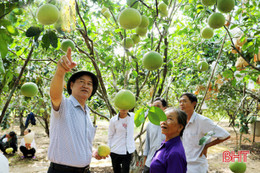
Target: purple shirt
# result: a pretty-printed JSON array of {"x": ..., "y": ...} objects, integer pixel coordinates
[{"x": 170, "y": 158}]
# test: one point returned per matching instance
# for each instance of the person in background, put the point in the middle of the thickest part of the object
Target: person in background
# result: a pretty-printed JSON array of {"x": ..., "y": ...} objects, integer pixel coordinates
[
  {"x": 8, "y": 141},
  {"x": 197, "y": 126},
  {"x": 4, "y": 164},
  {"x": 71, "y": 129},
  {"x": 27, "y": 149},
  {"x": 154, "y": 136},
  {"x": 121, "y": 140},
  {"x": 170, "y": 157}
]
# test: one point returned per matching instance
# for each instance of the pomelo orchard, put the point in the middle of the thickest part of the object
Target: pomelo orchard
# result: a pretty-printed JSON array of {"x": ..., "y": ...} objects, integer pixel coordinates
[
  {"x": 237, "y": 167},
  {"x": 152, "y": 60},
  {"x": 124, "y": 100},
  {"x": 216, "y": 20},
  {"x": 129, "y": 18},
  {"x": 225, "y": 6},
  {"x": 103, "y": 150},
  {"x": 66, "y": 44},
  {"x": 29, "y": 89},
  {"x": 208, "y": 2},
  {"x": 207, "y": 32},
  {"x": 47, "y": 14},
  {"x": 127, "y": 42},
  {"x": 203, "y": 66}
]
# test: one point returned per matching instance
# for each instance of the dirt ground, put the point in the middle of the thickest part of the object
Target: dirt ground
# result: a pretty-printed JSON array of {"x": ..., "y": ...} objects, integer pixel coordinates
[{"x": 41, "y": 163}]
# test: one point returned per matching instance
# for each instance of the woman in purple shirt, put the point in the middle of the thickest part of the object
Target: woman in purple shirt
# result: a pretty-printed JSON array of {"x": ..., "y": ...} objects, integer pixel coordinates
[{"x": 170, "y": 158}]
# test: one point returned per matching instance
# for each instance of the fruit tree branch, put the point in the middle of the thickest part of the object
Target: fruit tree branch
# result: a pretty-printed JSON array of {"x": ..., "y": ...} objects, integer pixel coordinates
[{"x": 16, "y": 83}]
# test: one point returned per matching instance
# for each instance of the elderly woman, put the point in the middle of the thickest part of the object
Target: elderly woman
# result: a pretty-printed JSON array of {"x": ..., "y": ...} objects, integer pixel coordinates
[{"x": 170, "y": 158}]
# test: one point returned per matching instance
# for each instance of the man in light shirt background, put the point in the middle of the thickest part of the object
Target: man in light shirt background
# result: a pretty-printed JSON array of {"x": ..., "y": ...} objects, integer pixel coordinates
[
  {"x": 154, "y": 136},
  {"x": 197, "y": 126}
]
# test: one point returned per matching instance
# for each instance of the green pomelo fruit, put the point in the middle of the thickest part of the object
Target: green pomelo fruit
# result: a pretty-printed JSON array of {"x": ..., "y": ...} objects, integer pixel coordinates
[
  {"x": 152, "y": 60},
  {"x": 203, "y": 66},
  {"x": 136, "y": 38},
  {"x": 207, "y": 32},
  {"x": 66, "y": 44},
  {"x": 18, "y": 11},
  {"x": 104, "y": 9},
  {"x": 127, "y": 42},
  {"x": 237, "y": 167},
  {"x": 42, "y": 110},
  {"x": 144, "y": 22},
  {"x": 187, "y": 7},
  {"x": 129, "y": 18},
  {"x": 107, "y": 14},
  {"x": 216, "y": 20},
  {"x": 47, "y": 14},
  {"x": 162, "y": 6},
  {"x": 163, "y": 9},
  {"x": 225, "y": 6},
  {"x": 103, "y": 150},
  {"x": 124, "y": 100},
  {"x": 141, "y": 31},
  {"x": 208, "y": 2},
  {"x": 9, "y": 150},
  {"x": 29, "y": 89},
  {"x": 133, "y": 3}
]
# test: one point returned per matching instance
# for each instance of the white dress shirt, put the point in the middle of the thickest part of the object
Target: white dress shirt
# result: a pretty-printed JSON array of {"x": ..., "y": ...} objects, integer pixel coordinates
[
  {"x": 197, "y": 127},
  {"x": 121, "y": 134},
  {"x": 33, "y": 144},
  {"x": 4, "y": 164}
]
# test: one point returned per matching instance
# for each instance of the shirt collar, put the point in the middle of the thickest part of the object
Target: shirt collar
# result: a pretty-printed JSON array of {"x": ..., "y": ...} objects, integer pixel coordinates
[
  {"x": 76, "y": 103},
  {"x": 118, "y": 115},
  {"x": 193, "y": 117},
  {"x": 171, "y": 142}
]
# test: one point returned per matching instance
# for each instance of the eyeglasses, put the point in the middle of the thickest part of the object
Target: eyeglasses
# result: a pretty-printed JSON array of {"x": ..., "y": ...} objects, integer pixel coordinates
[{"x": 83, "y": 83}]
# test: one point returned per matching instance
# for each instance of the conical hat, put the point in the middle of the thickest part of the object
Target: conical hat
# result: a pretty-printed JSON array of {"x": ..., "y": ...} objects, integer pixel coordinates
[{"x": 29, "y": 138}]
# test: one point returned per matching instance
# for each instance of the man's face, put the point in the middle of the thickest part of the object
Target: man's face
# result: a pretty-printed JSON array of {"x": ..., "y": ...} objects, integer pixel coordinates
[
  {"x": 186, "y": 105},
  {"x": 82, "y": 87},
  {"x": 158, "y": 104}
]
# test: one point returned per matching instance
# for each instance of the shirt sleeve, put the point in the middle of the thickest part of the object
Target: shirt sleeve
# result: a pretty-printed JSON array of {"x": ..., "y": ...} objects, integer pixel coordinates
[
  {"x": 111, "y": 132},
  {"x": 58, "y": 112},
  {"x": 22, "y": 142},
  {"x": 210, "y": 126},
  {"x": 175, "y": 163},
  {"x": 147, "y": 142}
]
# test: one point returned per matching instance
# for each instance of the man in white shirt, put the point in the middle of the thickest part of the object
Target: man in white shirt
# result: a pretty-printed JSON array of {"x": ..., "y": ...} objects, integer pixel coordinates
[
  {"x": 197, "y": 126},
  {"x": 154, "y": 136},
  {"x": 71, "y": 129}
]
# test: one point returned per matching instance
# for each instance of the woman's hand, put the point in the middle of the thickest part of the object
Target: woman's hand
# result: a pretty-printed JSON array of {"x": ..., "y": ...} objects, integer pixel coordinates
[{"x": 28, "y": 146}]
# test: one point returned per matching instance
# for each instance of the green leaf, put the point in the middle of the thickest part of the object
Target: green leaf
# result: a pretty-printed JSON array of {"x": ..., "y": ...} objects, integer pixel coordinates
[
  {"x": 228, "y": 74},
  {"x": 205, "y": 138},
  {"x": 2, "y": 69},
  {"x": 139, "y": 117},
  {"x": 53, "y": 39},
  {"x": 45, "y": 41},
  {"x": 135, "y": 73},
  {"x": 3, "y": 43},
  {"x": 156, "y": 115},
  {"x": 33, "y": 31}
]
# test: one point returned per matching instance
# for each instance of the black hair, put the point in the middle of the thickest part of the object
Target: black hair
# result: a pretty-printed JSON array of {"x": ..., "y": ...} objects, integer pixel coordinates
[
  {"x": 191, "y": 97},
  {"x": 164, "y": 103},
  {"x": 29, "y": 130},
  {"x": 12, "y": 134},
  {"x": 181, "y": 118},
  {"x": 77, "y": 75}
]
